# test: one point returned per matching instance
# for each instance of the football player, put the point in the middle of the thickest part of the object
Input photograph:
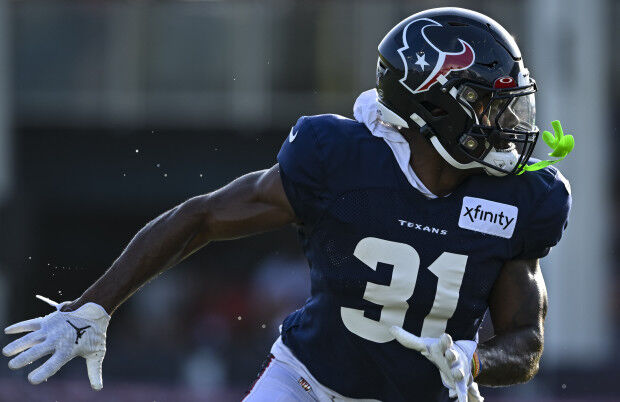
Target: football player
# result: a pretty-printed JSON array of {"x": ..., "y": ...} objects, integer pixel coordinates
[{"x": 414, "y": 218}]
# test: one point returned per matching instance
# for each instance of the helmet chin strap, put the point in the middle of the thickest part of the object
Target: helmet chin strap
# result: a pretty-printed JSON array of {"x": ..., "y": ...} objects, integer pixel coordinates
[
  {"x": 502, "y": 159},
  {"x": 444, "y": 154},
  {"x": 506, "y": 160}
]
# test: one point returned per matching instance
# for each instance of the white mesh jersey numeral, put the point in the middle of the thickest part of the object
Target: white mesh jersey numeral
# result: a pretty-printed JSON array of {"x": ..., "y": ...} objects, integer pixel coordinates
[
  {"x": 449, "y": 268},
  {"x": 393, "y": 298}
]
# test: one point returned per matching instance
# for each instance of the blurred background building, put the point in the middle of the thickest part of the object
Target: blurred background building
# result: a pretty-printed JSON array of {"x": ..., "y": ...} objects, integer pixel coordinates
[{"x": 112, "y": 112}]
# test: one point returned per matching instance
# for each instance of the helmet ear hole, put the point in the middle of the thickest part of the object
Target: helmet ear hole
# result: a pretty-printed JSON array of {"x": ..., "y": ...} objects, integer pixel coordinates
[{"x": 433, "y": 109}]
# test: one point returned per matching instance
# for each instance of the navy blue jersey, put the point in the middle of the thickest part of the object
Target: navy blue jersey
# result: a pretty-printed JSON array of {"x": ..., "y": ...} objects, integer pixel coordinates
[{"x": 382, "y": 254}]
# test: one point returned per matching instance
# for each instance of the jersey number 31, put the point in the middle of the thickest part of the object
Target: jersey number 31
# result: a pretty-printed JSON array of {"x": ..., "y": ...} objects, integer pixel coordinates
[{"x": 449, "y": 269}]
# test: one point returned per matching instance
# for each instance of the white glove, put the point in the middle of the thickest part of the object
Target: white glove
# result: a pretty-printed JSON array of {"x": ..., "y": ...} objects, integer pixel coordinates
[
  {"x": 66, "y": 335},
  {"x": 453, "y": 359}
]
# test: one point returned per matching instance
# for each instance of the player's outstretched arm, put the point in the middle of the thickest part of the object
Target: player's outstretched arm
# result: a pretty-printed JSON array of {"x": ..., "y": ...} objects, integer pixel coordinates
[
  {"x": 518, "y": 306},
  {"x": 251, "y": 204}
]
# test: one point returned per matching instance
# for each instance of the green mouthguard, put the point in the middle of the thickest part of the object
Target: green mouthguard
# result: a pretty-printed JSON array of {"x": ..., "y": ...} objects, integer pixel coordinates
[{"x": 561, "y": 144}]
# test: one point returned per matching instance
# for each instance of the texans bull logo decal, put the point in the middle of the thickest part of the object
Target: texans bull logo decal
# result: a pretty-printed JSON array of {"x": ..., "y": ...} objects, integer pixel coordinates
[{"x": 445, "y": 62}]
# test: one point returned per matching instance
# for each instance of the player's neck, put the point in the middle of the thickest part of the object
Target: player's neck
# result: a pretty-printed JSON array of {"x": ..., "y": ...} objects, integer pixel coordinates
[{"x": 439, "y": 177}]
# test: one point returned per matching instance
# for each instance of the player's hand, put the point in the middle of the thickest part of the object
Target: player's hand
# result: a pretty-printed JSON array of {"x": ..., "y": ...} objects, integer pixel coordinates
[
  {"x": 453, "y": 359},
  {"x": 64, "y": 335}
]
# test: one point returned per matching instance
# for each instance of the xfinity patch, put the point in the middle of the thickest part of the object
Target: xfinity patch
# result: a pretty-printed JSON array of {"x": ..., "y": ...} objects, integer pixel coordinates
[{"x": 488, "y": 217}]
